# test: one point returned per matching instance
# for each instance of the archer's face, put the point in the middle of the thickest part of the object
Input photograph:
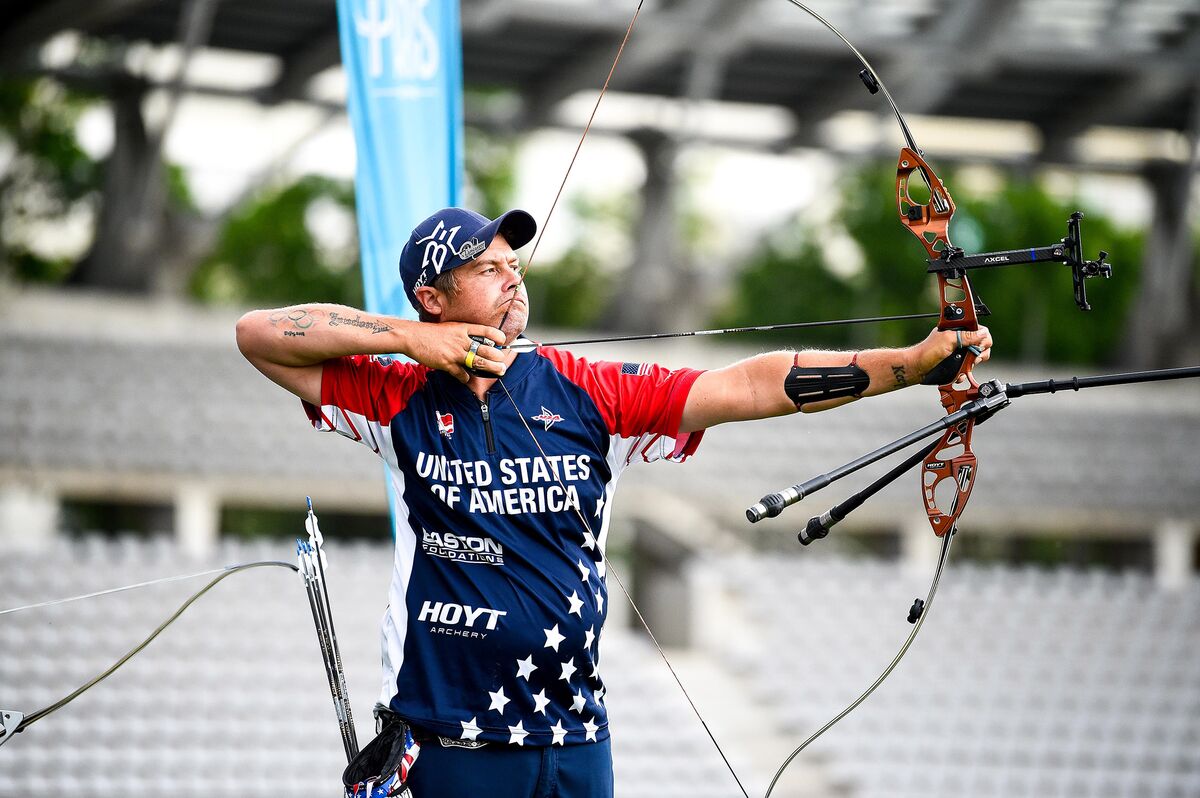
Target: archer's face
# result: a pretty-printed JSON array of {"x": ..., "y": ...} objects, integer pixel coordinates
[{"x": 489, "y": 287}]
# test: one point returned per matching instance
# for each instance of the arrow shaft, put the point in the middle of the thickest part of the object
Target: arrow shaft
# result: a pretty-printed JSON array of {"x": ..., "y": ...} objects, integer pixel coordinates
[{"x": 528, "y": 346}]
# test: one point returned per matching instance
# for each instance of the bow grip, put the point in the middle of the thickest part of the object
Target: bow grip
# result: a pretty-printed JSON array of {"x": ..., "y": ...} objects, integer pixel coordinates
[{"x": 945, "y": 372}]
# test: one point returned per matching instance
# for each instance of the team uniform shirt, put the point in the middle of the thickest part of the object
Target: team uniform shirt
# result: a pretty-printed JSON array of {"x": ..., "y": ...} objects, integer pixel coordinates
[{"x": 498, "y": 594}]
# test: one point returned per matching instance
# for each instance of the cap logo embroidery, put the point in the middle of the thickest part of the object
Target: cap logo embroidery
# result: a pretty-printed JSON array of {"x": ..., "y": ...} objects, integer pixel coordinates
[
  {"x": 472, "y": 249},
  {"x": 438, "y": 245}
]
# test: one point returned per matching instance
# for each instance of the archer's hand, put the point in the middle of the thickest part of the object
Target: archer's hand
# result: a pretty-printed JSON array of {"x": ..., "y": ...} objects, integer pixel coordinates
[
  {"x": 444, "y": 346},
  {"x": 939, "y": 345}
]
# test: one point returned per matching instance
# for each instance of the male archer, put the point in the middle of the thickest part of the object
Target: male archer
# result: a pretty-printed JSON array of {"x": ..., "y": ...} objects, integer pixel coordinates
[{"x": 504, "y": 465}]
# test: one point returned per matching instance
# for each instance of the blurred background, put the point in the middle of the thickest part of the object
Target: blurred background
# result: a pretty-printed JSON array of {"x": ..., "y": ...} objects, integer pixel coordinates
[{"x": 167, "y": 165}]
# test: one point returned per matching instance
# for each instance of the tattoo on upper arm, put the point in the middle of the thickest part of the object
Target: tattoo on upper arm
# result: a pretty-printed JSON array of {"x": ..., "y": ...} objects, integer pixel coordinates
[
  {"x": 898, "y": 373},
  {"x": 374, "y": 325},
  {"x": 294, "y": 319}
]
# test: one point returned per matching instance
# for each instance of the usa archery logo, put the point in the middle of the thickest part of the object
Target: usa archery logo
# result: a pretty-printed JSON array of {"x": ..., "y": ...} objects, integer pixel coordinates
[
  {"x": 445, "y": 423},
  {"x": 547, "y": 417}
]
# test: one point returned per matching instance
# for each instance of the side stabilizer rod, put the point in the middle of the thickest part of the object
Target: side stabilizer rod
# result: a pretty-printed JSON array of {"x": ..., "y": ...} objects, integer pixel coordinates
[{"x": 993, "y": 397}]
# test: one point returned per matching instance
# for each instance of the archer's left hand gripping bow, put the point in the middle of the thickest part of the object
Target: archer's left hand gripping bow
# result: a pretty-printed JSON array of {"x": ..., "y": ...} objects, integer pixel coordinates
[{"x": 948, "y": 468}]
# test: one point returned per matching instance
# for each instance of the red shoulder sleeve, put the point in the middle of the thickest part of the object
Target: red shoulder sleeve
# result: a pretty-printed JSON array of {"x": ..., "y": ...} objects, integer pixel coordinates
[
  {"x": 363, "y": 389},
  {"x": 634, "y": 398}
]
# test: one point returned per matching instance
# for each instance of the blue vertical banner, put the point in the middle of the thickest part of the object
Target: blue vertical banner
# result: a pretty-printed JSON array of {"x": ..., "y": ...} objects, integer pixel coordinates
[{"x": 403, "y": 63}]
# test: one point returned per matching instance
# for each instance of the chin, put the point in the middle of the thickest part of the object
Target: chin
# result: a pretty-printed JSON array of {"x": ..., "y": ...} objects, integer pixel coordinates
[{"x": 515, "y": 324}]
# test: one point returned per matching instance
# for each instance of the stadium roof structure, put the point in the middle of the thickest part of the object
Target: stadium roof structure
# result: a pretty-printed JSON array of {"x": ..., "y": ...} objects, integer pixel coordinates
[{"x": 1063, "y": 66}]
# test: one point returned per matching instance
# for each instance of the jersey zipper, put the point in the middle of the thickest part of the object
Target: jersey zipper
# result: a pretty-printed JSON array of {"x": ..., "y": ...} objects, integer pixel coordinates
[{"x": 487, "y": 425}]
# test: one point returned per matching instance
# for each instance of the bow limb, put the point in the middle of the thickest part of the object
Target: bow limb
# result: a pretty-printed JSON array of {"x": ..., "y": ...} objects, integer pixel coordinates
[{"x": 30, "y": 718}]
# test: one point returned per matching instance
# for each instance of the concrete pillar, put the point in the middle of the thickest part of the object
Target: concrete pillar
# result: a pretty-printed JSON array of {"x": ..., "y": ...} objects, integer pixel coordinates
[
  {"x": 660, "y": 585},
  {"x": 197, "y": 519},
  {"x": 1174, "y": 547},
  {"x": 659, "y": 295},
  {"x": 1160, "y": 329},
  {"x": 28, "y": 516}
]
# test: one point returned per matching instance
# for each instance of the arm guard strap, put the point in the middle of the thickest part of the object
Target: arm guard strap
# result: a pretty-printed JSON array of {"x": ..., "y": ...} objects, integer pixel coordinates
[{"x": 817, "y": 384}]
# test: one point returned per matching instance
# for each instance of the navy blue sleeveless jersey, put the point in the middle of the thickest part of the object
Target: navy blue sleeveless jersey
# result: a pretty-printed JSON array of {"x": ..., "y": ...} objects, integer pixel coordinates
[{"x": 498, "y": 594}]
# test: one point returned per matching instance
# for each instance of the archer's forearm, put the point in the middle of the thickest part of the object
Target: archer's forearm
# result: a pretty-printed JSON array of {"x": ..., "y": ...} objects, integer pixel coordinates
[
  {"x": 885, "y": 370},
  {"x": 754, "y": 388},
  {"x": 304, "y": 335}
]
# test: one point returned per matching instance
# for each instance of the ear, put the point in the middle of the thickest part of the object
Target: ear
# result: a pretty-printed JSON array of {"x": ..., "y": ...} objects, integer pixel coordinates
[{"x": 431, "y": 300}]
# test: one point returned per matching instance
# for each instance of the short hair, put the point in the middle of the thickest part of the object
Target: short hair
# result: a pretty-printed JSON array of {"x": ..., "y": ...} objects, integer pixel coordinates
[{"x": 447, "y": 283}]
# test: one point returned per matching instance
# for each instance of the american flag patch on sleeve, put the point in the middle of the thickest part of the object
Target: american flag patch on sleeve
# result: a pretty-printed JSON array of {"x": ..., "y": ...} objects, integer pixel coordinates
[{"x": 635, "y": 369}]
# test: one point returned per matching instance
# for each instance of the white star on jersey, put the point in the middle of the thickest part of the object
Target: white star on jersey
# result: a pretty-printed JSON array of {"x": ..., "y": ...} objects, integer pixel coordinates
[
  {"x": 584, "y": 572},
  {"x": 599, "y": 602},
  {"x": 517, "y": 734},
  {"x": 589, "y": 636},
  {"x": 525, "y": 667},
  {"x": 498, "y": 700},
  {"x": 568, "y": 670},
  {"x": 560, "y": 733},
  {"x": 471, "y": 728},
  {"x": 578, "y": 702},
  {"x": 599, "y": 507},
  {"x": 540, "y": 701},
  {"x": 553, "y": 638},
  {"x": 589, "y": 539},
  {"x": 576, "y": 605},
  {"x": 592, "y": 728}
]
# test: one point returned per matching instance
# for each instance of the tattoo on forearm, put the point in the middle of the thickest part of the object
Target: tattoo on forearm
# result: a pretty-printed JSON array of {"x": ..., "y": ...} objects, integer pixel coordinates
[
  {"x": 291, "y": 333},
  {"x": 898, "y": 373},
  {"x": 294, "y": 319},
  {"x": 374, "y": 325}
]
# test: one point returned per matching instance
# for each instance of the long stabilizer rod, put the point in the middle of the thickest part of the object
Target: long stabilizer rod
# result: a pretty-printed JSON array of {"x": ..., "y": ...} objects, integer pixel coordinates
[{"x": 1103, "y": 380}]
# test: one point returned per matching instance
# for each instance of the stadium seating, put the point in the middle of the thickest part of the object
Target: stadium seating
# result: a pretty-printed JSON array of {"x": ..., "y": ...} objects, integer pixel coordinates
[
  {"x": 1024, "y": 681},
  {"x": 232, "y": 699}
]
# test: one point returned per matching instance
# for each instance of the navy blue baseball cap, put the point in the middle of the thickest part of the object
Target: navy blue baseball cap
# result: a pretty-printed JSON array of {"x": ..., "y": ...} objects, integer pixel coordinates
[{"x": 453, "y": 237}]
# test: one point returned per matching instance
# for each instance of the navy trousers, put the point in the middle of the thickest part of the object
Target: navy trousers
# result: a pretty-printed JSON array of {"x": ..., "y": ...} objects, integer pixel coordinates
[{"x": 511, "y": 771}]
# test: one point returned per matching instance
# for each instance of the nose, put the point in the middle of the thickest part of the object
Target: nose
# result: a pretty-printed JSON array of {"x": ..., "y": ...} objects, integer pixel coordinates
[{"x": 514, "y": 277}]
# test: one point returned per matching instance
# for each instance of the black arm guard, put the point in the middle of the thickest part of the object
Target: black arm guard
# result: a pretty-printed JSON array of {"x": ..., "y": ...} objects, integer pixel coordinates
[{"x": 805, "y": 385}]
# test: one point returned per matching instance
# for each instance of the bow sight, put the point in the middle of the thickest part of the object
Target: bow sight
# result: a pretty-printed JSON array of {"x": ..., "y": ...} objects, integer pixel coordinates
[{"x": 953, "y": 262}]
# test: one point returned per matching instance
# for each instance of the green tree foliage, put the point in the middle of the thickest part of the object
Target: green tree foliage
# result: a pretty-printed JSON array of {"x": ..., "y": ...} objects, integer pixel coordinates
[
  {"x": 792, "y": 276},
  {"x": 45, "y": 176},
  {"x": 568, "y": 291},
  {"x": 574, "y": 290},
  {"x": 268, "y": 251},
  {"x": 491, "y": 172}
]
